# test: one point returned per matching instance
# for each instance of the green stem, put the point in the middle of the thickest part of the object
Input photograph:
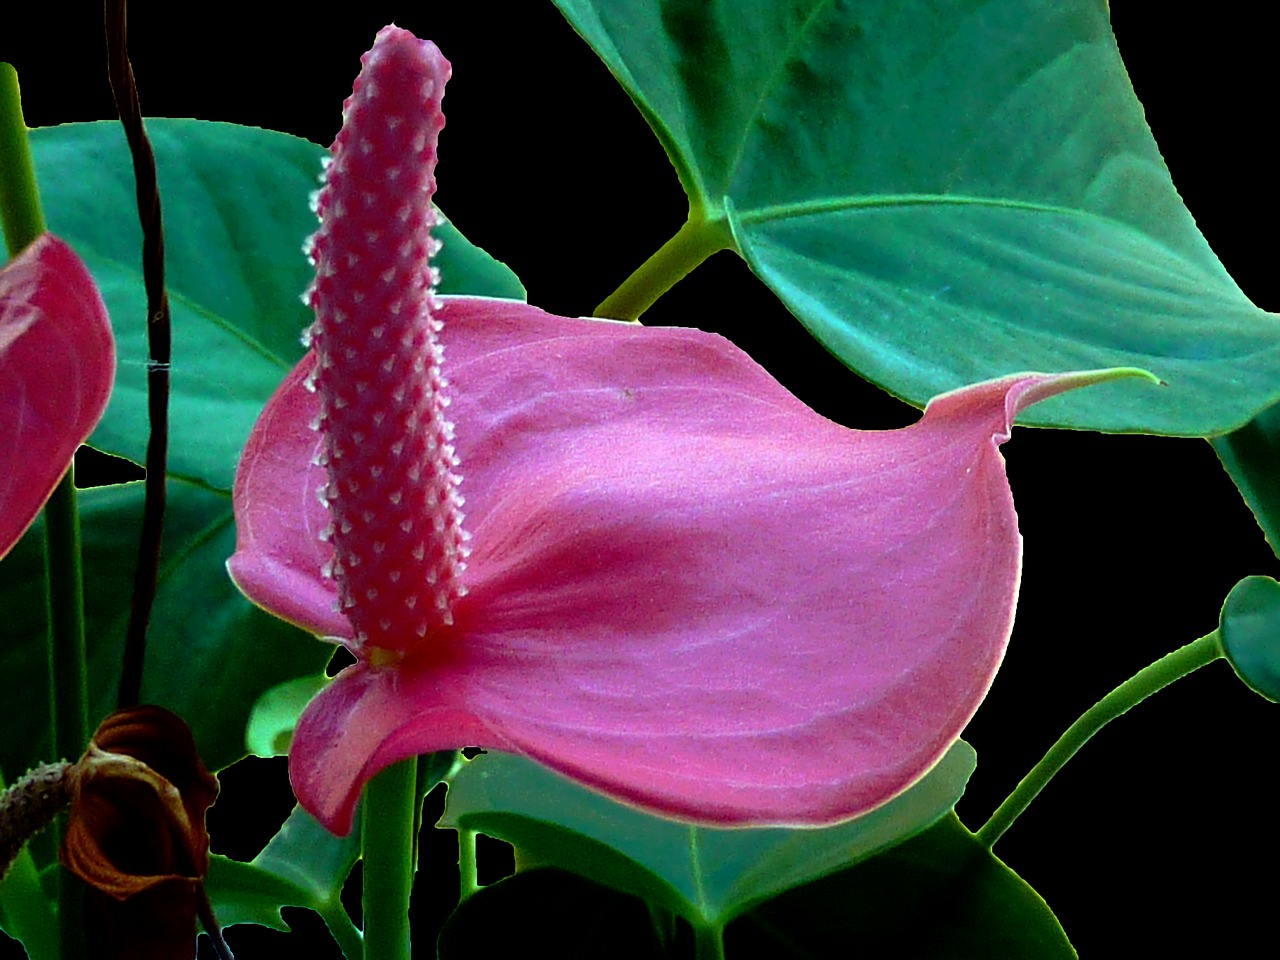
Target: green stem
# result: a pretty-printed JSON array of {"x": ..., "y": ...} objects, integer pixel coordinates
[
  {"x": 23, "y": 222},
  {"x": 693, "y": 243},
  {"x": 69, "y": 694},
  {"x": 67, "y": 655},
  {"x": 68, "y": 688},
  {"x": 343, "y": 931},
  {"x": 19, "y": 199},
  {"x": 1157, "y": 676},
  {"x": 469, "y": 881},
  {"x": 388, "y": 860},
  {"x": 708, "y": 942}
]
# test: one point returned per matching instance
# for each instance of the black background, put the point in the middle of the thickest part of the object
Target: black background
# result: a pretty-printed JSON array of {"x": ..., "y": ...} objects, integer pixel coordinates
[{"x": 1158, "y": 837}]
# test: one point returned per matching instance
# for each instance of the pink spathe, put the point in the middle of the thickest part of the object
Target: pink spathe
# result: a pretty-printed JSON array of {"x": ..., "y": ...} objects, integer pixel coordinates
[
  {"x": 680, "y": 586},
  {"x": 685, "y": 588},
  {"x": 57, "y": 365}
]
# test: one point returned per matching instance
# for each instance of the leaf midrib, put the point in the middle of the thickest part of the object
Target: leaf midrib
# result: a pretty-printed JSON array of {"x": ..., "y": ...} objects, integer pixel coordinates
[{"x": 826, "y": 205}]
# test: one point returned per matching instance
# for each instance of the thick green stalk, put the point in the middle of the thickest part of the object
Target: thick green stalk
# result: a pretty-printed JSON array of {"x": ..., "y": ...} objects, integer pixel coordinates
[
  {"x": 19, "y": 199},
  {"x": 65, "y": 593},
  {"x": 1148, "y": 680},
  {"x": 388, "y": 860},
  {"x": 23, "y": 222},
  {"x": 693, "y": 243}
]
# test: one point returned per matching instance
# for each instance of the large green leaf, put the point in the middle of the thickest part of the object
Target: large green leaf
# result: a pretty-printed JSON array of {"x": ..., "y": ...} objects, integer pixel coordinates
[
  {"x": 210, "y": 652},
  {"x": 236, "y": 212},
  {"x": 946, "y": 192},
  {"x": 1251, "y": 455},
  {"x": 706, "y": 875},
  {"x": 939, "y": 896},
  {"x": 236, "y": 215}
]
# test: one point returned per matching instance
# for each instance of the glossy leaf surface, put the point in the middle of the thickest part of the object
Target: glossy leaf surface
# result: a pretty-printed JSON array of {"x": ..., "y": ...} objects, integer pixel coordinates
[
  {"x": 1250, "y": 631},
  {"x": 916, "y": 180},
  {"x": 705, "y": 874},
  {"x": 236, "y": 215},
  {"x": 210, "y": 652}
]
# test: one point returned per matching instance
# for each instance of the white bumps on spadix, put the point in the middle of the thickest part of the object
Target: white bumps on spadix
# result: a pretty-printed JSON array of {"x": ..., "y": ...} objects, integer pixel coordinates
[{"x": 392, "y": 489}]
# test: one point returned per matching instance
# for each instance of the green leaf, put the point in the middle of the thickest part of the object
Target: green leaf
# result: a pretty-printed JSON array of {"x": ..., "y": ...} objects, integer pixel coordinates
[
  {"x": 704, "y": 874},
  {"x": 303, "y": 866},
  {"x": 1251, "y": 456},
  {"x": 946, "y": 193},
  {"x": 210, "y": 653},
  {"x": 276, "y": 713},
  {"x": 1250, "y": 632},
  {"x": 938, "y": 896},
  {"x": 26, "y": 911},
  {"x": 236, "y": 215},
  {"x": 553, "y": 912}
]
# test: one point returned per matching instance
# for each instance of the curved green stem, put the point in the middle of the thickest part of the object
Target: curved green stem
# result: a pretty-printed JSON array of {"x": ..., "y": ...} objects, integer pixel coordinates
[
  {"x": 387, "y": 836},
  {"x": 1171, "y": 667},
  {"x": 693, "y": 243},
  {"x": 68, "y": 687},
  {"x": 343, "y": 930}
]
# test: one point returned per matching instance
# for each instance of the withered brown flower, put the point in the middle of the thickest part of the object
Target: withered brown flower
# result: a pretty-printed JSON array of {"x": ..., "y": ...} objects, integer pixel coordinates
[{"x": 136, "y": 835}]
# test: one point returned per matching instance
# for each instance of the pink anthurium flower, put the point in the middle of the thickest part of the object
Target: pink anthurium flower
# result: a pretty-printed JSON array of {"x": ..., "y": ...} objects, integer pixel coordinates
[
  {"x": 57, "y": 364},
  {"x": 673, "y": 581}
]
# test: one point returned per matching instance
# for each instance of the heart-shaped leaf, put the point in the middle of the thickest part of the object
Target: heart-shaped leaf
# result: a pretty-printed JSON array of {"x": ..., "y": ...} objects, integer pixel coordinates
[
  {"x": 236, "y": 216},
  {"x": 944, "y": 193},
  {"x": 937, "y": 895},
  {"x": 707, "y": 875},
  {"x": 210, "y": 652},
  {"x": 1250, "y": 632}
]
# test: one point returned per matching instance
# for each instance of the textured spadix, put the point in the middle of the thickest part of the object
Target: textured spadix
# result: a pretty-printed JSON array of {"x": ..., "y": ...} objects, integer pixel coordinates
[
  {"x": 57, "y": 364},
  {"x": 388, "y": 450},
  {"x": 686, "y": 588}
]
